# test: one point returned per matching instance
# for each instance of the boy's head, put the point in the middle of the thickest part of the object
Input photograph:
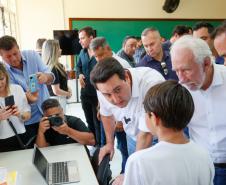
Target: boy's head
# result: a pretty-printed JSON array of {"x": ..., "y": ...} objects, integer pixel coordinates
[{"x": 170, "y": 104}]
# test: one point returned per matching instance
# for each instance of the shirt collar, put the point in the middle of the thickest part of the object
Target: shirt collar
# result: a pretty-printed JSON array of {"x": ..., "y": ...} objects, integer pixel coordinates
[
  {"x": 166, "y": 55},
  {"x": 217, "y": 78},
  {"x": 135, "y": 83},
  {"x": 12, "y": 68}
]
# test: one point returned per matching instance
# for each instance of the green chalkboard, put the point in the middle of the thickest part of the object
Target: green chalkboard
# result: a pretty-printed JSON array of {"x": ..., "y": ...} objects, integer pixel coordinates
[{"x": 114, "y": 30}]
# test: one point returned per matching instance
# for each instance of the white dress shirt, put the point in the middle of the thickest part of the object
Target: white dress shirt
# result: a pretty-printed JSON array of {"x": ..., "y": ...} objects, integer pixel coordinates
[
  {"x": 208, "y": 124},
  {"x": 132, "y": 116}
]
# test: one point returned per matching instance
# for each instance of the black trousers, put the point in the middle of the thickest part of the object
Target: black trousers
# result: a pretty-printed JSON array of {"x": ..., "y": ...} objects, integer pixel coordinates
[
  {"x": 10, "y": 144},
  {"x": 29, "y": 137},
  {"x": 89, "y": 106}
]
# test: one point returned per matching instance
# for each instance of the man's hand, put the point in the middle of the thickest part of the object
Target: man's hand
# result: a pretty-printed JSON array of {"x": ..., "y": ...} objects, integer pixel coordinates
[
  {"x": 42, "y": 78},
  {"x": 5, "y": 113},
  {"x": 106, "y": 149},
  {"x": 43, "y": 125},
  {"x": 118, "y": 180},
  {"x": 119, "y": 126},
  {"x": 82, "y": 80},
  {"x": 31, "y": 97},
  {"x": 144, "y": 140},
  {"x": 62, "y": 129}
]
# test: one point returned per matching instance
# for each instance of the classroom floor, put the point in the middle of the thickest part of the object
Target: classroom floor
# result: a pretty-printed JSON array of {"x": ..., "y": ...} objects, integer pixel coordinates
[{"x": 75, "y": 109}]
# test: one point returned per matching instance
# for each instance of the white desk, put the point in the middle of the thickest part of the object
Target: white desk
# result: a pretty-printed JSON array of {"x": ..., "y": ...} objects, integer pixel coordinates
[{"x": 21, "y": 161}]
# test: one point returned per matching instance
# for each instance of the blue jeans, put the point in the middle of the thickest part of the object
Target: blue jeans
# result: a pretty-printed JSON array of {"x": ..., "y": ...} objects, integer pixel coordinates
[
  {"x": 131, "y": 145},
  {"x": 102, "y": 135},
  {"x": 220, "y": 176},
  {"x": 122, "y": 146}
]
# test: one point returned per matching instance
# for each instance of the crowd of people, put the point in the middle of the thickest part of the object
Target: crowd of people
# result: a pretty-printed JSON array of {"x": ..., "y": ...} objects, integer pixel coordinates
[{"x": 164, "y": 102}]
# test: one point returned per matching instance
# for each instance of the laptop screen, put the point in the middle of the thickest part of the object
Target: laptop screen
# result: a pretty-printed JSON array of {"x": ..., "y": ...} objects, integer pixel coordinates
[{"x": 40, "y": 161}]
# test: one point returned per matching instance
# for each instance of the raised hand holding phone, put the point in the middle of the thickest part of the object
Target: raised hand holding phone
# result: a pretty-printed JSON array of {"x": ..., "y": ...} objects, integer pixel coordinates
[{"x": 33, "y": 83}]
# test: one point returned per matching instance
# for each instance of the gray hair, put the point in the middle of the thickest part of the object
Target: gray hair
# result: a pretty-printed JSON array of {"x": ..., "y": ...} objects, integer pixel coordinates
[
  {"x": 98, "y": 42},
  {"x": 197, "y": 46},
  {"x": 147, "y": 30}
]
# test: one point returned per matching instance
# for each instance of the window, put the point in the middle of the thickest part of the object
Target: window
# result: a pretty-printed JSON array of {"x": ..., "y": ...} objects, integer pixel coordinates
[{"x": 8, "y": 18}]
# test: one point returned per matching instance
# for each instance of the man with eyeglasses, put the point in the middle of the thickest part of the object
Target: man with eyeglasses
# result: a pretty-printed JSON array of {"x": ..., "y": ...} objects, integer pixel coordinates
[
  {"x": 156, "y": 57},
  {"x": 55, "y": 128}
]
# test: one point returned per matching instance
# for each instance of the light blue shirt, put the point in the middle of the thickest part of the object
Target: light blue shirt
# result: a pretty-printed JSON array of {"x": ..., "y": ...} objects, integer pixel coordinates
[{"x": 32, "y": 64}]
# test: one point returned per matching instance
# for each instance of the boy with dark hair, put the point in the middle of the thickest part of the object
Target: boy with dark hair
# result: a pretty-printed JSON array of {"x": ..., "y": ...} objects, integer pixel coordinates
[{"x": 174, "y": 160}]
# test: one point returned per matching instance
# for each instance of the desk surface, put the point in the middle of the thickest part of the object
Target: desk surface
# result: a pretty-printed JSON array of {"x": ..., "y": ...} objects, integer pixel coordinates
[{"x": 21, "y": 161}]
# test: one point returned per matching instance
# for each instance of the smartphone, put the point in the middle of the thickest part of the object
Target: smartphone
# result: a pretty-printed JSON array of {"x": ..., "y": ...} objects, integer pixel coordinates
[
  {"x": 33, "y": 83},
  {"x": 9, "y": 101}
]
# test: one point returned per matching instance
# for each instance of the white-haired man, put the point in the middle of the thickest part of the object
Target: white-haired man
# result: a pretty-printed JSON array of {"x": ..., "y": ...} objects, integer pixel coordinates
[{"x": 191, "y": 59}]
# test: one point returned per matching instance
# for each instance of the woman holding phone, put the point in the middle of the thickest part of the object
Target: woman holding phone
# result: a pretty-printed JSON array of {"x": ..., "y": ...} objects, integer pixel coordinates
[
  {"x": 14, "y": 109},
  {"x": 51, "y": 53}
]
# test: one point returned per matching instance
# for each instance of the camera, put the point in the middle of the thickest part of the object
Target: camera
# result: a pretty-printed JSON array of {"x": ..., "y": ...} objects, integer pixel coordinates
[{"x": 55, "y": 120}]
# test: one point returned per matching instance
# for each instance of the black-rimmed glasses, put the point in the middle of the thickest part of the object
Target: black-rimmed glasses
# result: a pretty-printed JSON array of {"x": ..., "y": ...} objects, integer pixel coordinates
[{"x": 164, "y": 68}]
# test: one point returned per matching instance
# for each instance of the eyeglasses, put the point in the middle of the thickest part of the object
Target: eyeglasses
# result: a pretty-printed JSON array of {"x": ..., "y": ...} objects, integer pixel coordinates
[{"x": 164, "y": 68}]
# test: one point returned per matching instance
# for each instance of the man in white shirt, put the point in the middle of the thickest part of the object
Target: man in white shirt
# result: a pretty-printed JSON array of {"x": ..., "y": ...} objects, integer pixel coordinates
[
  {"x": 121, "y": 94},
  {"x": 191, "y": 59},
  {"x": 101, "y": 50},
  {"x": 174, "y": 160}
]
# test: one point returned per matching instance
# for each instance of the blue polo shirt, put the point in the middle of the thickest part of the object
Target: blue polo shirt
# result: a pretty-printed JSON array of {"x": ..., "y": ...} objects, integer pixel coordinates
[
  {"x": 219, "y": 60},
  {"x": 148, "y": 61},
  {"x": 32, "y": 64}
]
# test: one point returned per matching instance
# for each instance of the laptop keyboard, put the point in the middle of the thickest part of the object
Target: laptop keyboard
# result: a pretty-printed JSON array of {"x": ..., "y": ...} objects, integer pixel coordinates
[{"x": 59, "y": 172}]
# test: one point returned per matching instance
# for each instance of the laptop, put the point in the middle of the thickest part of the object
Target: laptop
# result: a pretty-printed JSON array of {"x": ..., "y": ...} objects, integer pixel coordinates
[{"x": 57, "y": 172}]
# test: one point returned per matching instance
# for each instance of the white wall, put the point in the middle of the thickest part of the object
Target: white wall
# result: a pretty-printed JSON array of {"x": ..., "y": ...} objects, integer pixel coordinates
[{"x": 38, "y": 18}]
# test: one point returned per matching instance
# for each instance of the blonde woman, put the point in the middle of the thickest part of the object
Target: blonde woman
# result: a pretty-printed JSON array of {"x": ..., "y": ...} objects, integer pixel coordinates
[
  {"x": 51, "y": 53},
  {"x": 16, "y": 114}
]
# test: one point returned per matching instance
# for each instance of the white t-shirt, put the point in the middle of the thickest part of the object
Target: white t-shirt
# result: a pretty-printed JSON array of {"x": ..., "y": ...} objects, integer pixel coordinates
[
  {"x": 170, "y": 164},
  {"x": 122, "y": 61},
  {"x": 208, "y": 124},
  {"x": 133, "y": 115},
  {"x": 23, "y": 106}
]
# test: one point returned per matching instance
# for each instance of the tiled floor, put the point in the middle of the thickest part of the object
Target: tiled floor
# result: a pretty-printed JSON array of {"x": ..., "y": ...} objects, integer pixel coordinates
[{"x": 75, "y": 109}]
